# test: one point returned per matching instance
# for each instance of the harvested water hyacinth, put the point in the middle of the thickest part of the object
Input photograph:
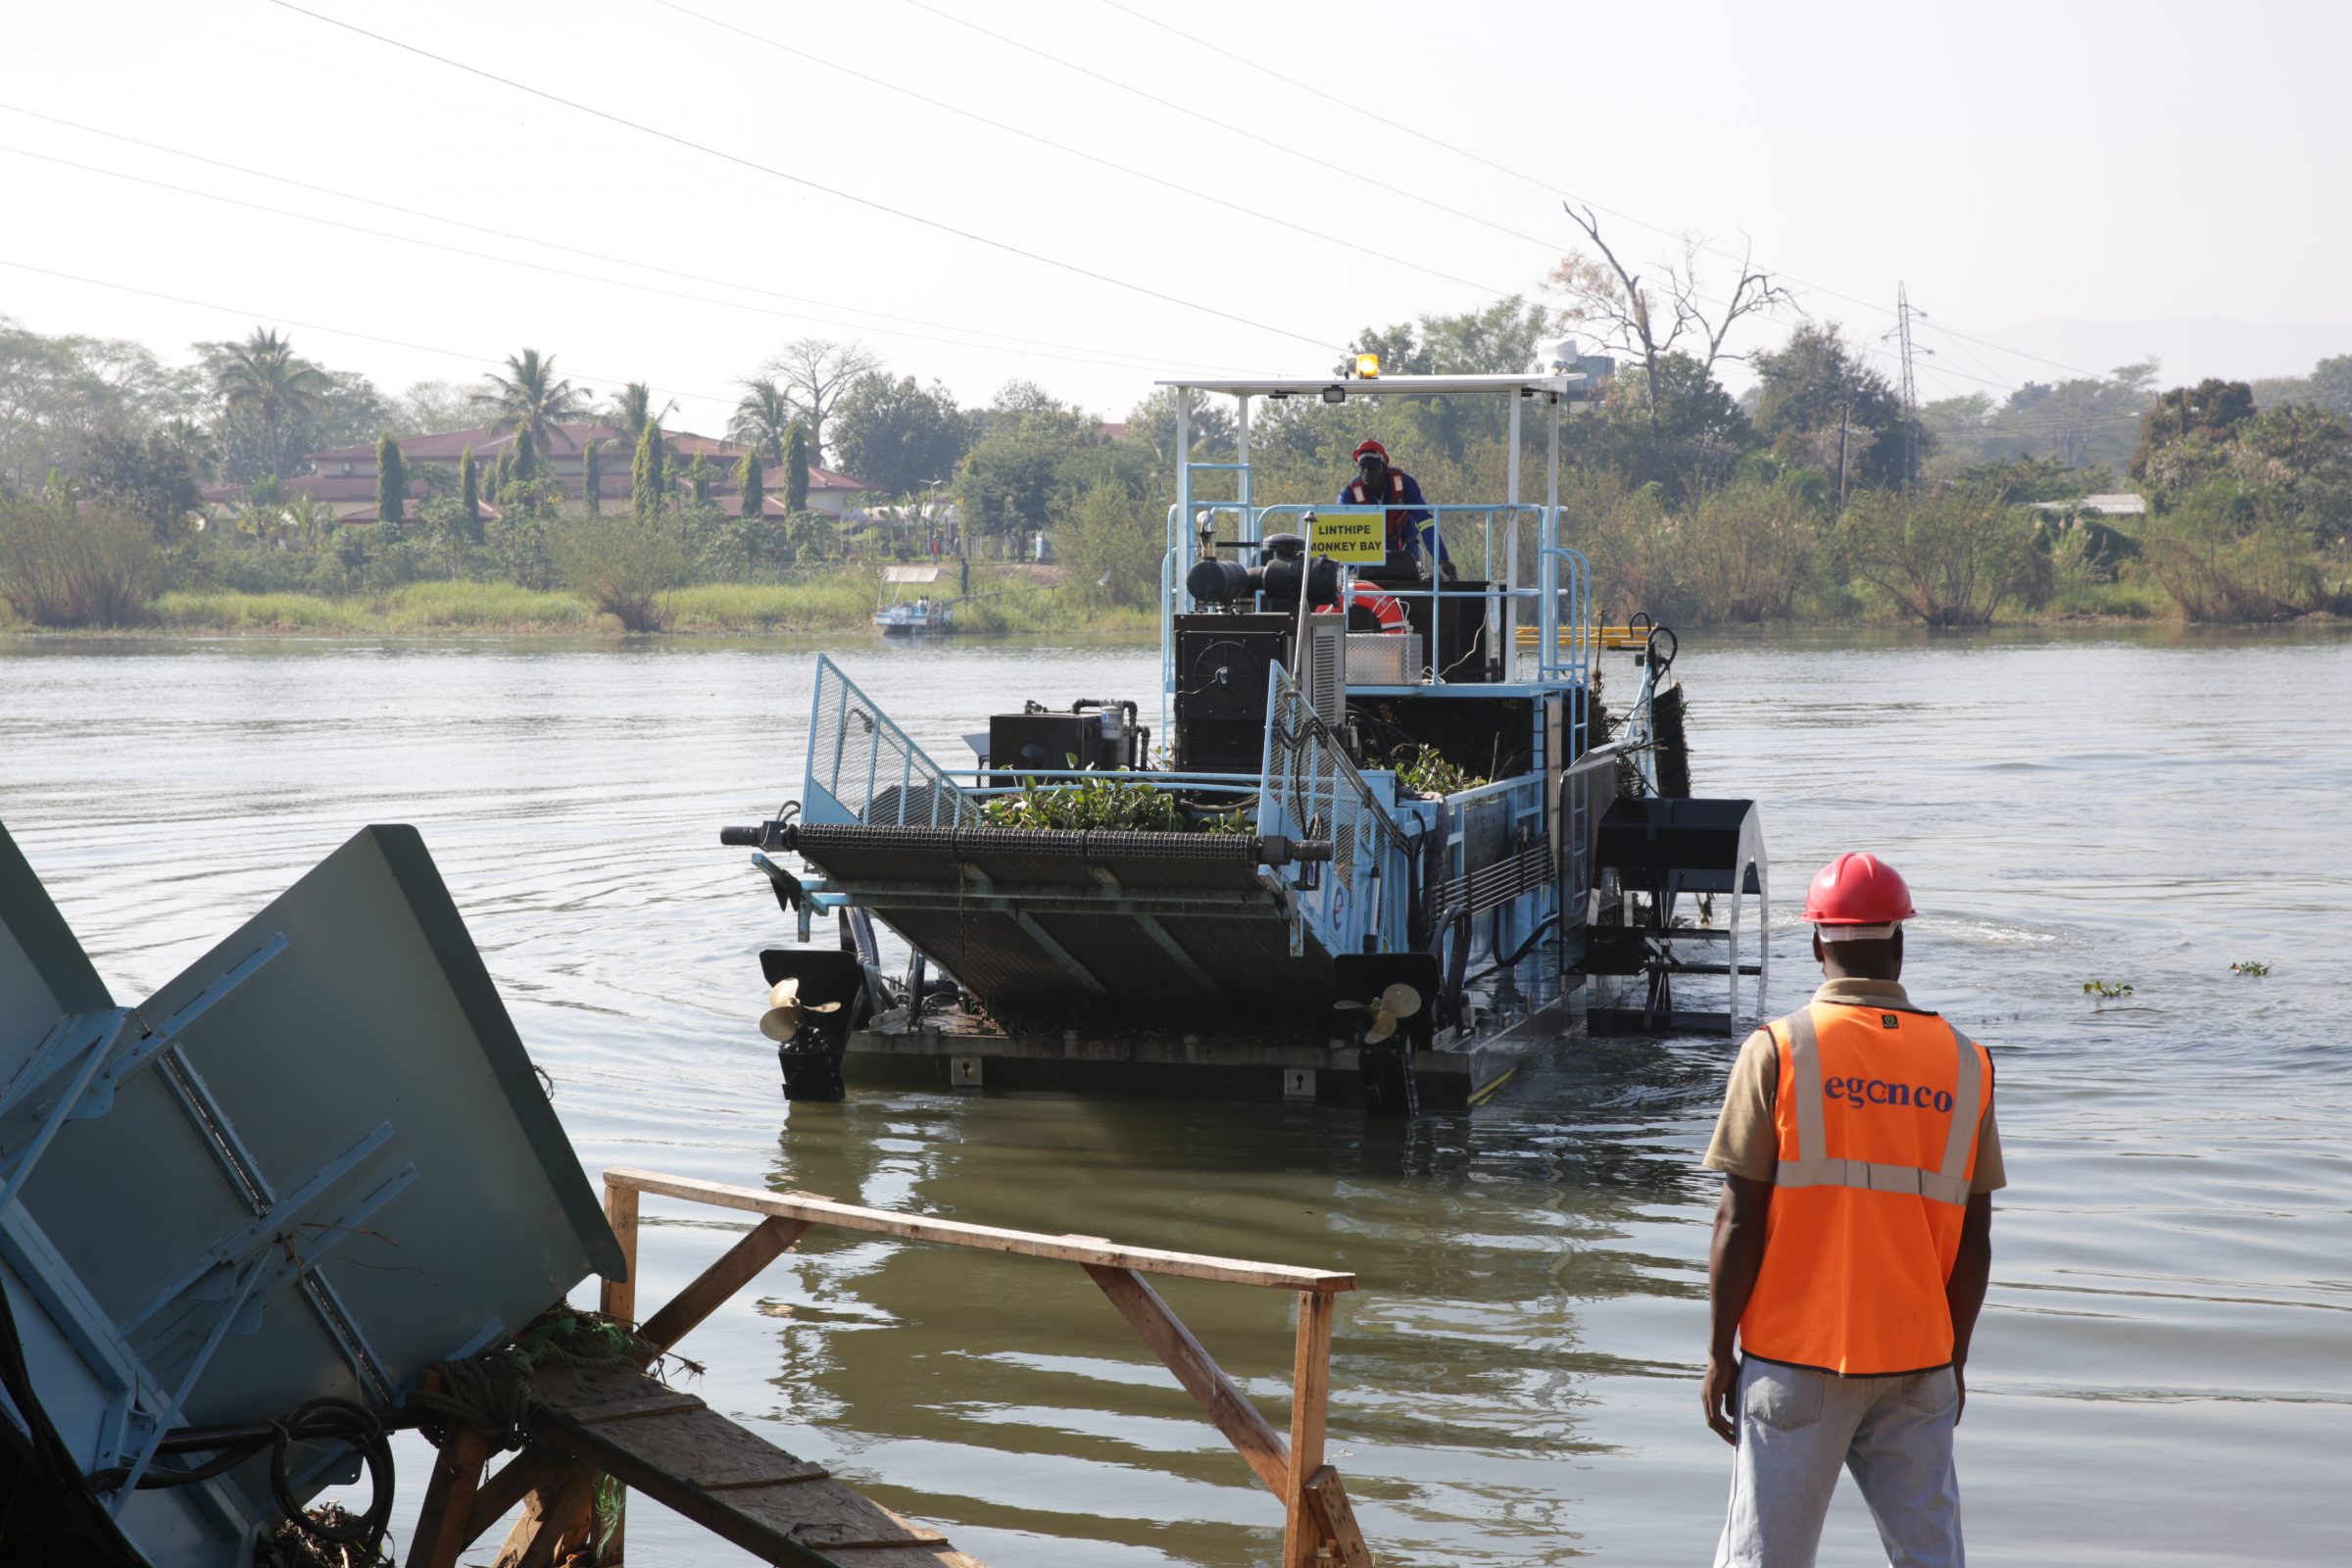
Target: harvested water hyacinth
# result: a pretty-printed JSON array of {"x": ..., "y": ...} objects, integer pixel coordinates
[{"x": 1106, "y": 803}]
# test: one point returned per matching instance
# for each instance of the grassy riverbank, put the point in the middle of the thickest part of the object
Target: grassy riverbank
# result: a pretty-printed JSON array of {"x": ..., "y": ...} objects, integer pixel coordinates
[
  {"x": 843, "y": 602},
  {"x": 432, "y": 609}
]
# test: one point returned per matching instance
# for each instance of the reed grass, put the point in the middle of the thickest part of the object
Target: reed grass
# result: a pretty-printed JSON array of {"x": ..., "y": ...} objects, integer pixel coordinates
[
  {"x": 423, "y": 606},
  {"x": 485, "y": 607},
  {"x": 231, "y": 612},
  {"x": 836, "y": 602}
]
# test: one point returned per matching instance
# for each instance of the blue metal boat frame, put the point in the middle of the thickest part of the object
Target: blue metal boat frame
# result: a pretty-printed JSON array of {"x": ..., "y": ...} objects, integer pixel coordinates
[{"x": 1497, "y": 878}]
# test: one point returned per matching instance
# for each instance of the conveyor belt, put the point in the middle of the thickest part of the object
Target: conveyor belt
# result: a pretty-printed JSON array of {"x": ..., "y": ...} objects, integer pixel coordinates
[{"x": 1030, "y": 918}]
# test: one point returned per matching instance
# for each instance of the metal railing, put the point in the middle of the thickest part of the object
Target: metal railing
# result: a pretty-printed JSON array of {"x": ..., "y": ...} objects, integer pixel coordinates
[
  {"x": 1564, "y": 624},
  {"x": 863, "y": 769},
  {"x": 1312, "y": 790}
]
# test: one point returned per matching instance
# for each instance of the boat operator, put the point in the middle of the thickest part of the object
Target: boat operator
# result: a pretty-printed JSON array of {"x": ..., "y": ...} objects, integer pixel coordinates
[
  {"x": 1852, "y": 1246},
  {"x": 1409, "y": 518}
]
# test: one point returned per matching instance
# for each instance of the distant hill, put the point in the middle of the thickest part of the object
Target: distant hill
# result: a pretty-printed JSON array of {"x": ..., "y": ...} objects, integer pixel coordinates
[{"x": 2191, "y": 348}]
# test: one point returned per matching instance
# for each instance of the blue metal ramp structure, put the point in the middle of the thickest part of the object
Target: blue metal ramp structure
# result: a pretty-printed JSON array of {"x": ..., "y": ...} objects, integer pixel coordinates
[{"x": 313, "y": 1165}]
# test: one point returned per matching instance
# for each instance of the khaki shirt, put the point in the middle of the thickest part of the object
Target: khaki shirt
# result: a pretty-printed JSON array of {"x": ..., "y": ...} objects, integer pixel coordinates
[{"x": 1746, "y": 1141}]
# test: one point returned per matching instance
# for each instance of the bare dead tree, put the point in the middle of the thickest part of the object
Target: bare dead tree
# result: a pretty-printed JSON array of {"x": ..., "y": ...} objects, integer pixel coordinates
[
  {"x": 814, "y": 373},
  {"x": 1607, "y": 296}
]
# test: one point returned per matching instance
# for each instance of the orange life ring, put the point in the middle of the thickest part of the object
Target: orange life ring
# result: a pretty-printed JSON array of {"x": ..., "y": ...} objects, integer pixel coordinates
[{"x": 1382, "y": 605}]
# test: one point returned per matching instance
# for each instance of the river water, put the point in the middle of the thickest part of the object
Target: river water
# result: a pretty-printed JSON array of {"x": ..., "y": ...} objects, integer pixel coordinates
[{"x": 2164, "y": 1374}]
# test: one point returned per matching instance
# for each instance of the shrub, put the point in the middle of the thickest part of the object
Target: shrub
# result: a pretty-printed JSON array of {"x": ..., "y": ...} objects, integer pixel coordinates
[
  {"x": 622, "y": 566},
  {"x": 1110, "y": 544},
  {"x": 1744, "y": 550},
  {"x": 2227, "y": 552},
  {"x": 520, "y": 549},
  {"x": 61, "y": 565},
  {"x": 1950, "y": 557},
  {"x": 750, "y": 549}
]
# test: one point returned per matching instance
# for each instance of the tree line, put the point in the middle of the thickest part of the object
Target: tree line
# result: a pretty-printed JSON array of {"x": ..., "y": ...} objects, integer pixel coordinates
[{"x": 1813, "y": 493}]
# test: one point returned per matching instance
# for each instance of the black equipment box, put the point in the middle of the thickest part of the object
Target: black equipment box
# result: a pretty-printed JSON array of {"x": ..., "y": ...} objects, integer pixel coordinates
[
  {"x": 1048, "y": 741},
  {"x": 1221, "y": 665},
  {"x": 1464, "y": 653}
]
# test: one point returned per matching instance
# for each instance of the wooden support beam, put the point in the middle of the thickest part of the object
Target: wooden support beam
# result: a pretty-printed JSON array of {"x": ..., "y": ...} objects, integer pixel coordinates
[
  {"x": 1088, "y": 1251},
  {"x": 527, "y": 1472},
  {"x": 1310, "y": 1395},
  {"x": 619, "y": 1300},
  {"x": 1251, "y": 1433},
  {"x": 442, "y": 1527},
  {"x": 619, "y": 1297},
  {"x": 769, "y": 1240},
  {"x": 1335, "y": 1517},
  {"x": 553, "y": 1515}
]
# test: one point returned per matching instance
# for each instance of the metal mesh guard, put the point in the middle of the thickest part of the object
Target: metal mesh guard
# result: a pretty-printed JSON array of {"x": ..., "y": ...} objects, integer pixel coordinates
[{"x": 867, "y": 763}]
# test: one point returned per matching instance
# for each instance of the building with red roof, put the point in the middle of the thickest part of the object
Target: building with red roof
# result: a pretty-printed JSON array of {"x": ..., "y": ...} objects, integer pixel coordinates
[{"x": 344, "y": 477}]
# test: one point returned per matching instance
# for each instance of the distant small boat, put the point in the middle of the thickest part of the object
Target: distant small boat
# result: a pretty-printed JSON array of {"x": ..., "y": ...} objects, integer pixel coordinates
[{"x": 899, "y": 616}]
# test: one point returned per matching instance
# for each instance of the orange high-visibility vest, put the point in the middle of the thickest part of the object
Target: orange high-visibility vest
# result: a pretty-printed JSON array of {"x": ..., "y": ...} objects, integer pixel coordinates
[{"x": 1877, "y": 1112}]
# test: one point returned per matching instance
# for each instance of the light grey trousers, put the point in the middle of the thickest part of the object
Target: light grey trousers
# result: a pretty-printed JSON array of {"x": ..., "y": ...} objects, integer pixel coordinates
[{"x": 1797, "y": 1428}]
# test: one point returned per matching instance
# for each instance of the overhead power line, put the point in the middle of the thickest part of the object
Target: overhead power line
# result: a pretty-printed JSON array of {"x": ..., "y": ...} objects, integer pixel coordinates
[
  {"x": 554, "y": 271},
  {"x": 469, "y": 356},
  {"x": 570, "y": 250},
  {"x": 424, "y": 243},
  {"x": 834, "y": 191},
  {"x": 1325, "y": 235},
  {"x": 1282, "y": 147},
  {"x": 1547, "y": 186}
]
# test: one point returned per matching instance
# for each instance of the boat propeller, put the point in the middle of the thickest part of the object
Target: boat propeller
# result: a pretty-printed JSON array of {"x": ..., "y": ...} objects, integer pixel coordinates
[
  {"x": 1398, "y": 1002},
  {"x": 785, "y": 1010}
]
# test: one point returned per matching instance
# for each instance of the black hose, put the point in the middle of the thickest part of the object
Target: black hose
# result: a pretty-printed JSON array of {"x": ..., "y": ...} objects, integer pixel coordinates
[
  {"x": 326, "y": 1420},
  {"x": 1523, "y": 950}
]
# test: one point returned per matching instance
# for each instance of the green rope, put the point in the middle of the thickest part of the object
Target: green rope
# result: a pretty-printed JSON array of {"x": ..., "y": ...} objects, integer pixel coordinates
[{"x": 491, "y": 1393}]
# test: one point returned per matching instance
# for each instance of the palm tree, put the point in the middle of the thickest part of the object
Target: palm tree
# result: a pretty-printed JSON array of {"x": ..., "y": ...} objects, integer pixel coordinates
[
  {"x": 528, "y": 397},
  {"x": 262, "y": 373},
  {"x": 632, "y": 410},
  {"x": 762, "y": 418}
]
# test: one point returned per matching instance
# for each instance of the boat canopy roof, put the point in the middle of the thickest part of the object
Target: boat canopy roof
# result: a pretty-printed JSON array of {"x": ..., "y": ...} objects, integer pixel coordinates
[
  {"x": 1410, "y": 386},
  {"x": 911, "y": 573}
]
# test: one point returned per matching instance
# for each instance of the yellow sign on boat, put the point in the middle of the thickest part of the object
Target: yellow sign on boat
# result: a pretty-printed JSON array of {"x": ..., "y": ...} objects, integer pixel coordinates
[{"x": 1358, "y": 535}]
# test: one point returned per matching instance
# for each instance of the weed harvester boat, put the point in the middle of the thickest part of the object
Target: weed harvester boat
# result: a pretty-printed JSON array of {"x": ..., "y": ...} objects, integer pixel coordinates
[{"x": 1378, "y": 858}]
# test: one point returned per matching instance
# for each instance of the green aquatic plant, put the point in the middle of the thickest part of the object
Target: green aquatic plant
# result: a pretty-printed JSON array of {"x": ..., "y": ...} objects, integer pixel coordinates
[
  {"x": 1237, "y": 820},
  {"x": 2105, "y": 989},
  {"x": 2250, "y": 966},
  {"x": 1426, "y": 772},
  {"x": 1105, "y": 803}
]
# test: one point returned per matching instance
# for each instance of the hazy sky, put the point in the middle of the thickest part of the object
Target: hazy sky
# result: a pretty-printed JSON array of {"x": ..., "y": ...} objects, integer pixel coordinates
[{"x": 2012, "y": 163}]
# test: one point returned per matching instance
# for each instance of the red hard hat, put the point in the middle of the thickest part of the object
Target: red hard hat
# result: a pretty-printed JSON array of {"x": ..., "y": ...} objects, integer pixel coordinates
[
  {"x": 1859, "y": 889},
  {"x": 1371, "y": 446}
]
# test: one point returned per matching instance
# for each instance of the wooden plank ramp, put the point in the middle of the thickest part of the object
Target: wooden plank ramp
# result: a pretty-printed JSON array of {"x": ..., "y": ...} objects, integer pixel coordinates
[{"x": 670, "y": 1446}]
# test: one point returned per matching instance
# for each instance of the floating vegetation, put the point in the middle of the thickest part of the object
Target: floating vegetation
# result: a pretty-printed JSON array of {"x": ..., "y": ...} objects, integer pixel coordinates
[
  {"x": 1105, "y": 803},
  {"x": 2250, "y": 966},
  {"x": 2105, "y": 989}
]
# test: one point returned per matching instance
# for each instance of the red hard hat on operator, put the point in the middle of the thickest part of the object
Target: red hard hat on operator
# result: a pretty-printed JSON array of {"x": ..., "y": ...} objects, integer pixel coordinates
[
  {"x": 1363, "y": 447},
  {"x": 1858, "y": 889}
]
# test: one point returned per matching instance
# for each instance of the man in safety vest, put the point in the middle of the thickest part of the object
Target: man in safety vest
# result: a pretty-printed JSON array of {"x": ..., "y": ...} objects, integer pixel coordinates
[
  {"x": 1375, "y": 484},
  {"x": 1852, "y": 1245}
]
